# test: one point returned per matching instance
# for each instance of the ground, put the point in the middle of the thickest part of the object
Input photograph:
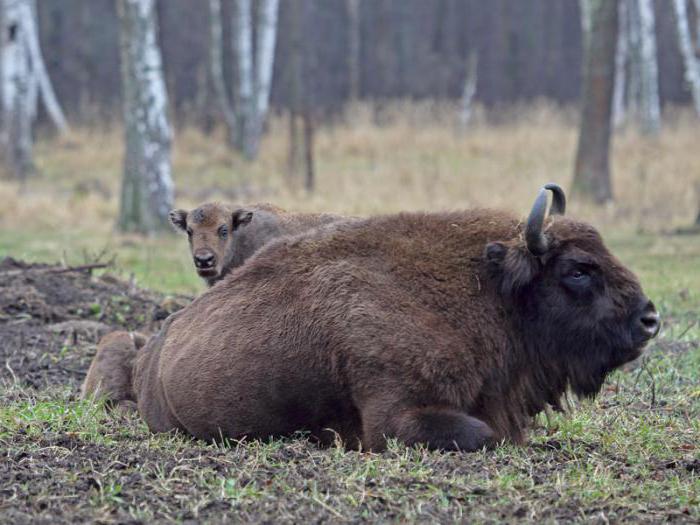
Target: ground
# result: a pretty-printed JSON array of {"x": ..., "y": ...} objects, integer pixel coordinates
[{"x": 630, "y": 455}]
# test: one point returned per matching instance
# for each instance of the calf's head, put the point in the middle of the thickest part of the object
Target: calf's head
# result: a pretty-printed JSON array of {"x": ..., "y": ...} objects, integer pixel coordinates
[
  {"x": 210, "y": 230},
  {"x": 577, "y": 306}
]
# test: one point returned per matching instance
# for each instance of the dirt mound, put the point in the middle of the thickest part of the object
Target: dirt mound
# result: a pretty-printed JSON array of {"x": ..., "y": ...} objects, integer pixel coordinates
[{"x": 51, "y": 318}]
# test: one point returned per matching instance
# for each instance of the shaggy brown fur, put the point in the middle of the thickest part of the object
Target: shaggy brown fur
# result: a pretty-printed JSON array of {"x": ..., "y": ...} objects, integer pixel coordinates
[
  {"x": 222, "y": 237},
  {"x": 440, "y": 328},
  {"x": 109, "y": 374}
]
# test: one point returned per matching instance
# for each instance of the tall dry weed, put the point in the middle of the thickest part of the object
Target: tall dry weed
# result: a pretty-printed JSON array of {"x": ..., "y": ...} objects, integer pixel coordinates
[{"x": 417, "y": 161}]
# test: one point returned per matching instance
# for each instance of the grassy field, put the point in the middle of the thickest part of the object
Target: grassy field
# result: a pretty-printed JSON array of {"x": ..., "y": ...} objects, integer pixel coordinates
[{"x": 632, "y": 455}]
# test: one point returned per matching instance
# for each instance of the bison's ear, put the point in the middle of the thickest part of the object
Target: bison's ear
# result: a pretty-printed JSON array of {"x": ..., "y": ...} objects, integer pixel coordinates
[
  {"x": 241, "y": 217},
  {"x": 178, "y": 218},
  {"x": 512, "y": 266}
]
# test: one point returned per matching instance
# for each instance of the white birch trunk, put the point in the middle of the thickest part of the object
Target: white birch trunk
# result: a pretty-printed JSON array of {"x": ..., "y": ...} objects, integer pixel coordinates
[
  {"x": 691, "y": 63},
  {"x": 621, "y": 60},
  {"x": 267, "y": 36},
  {"x": 147, "y": 187},
  {"x": 264, "y": 66},
  {"x": 216, "y": 68},
  {"x": 243, "y": 47},
  {"x": 634, "y": 88},
  {"x": 16, "y": 90},
  {"x": 650, "y": 111},
  {"x": 48, "y": 96},
  {"x": 585, "y": 8},
  {"x": 470, "y": 79}
]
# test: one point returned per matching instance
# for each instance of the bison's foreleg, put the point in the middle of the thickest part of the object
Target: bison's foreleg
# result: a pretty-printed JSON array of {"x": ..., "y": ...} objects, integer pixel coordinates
[{"x": 436, "y": 427}]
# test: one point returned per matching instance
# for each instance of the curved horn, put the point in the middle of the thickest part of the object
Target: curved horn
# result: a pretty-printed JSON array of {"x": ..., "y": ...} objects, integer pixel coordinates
[
  {"x": 535, "y": 239},
  {"x": 558, "y": 206}
]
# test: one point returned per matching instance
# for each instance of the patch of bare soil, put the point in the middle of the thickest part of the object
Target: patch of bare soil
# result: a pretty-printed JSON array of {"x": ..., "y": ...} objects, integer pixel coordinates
[{"x": 51, "y": 318}]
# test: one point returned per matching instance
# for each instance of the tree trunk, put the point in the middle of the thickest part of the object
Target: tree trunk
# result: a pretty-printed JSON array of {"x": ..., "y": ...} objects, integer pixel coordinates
[
  {"x": 243, "y": 47},
  {"x": 469, "y": 90},
  {"x": 16, "y": 90},
  {"x": 296, "y": 81},
  {"x": 621, "y": 60},
  {"x": 264, "y": 66},
  {"x": 147, "y": 187},
  {"x": 592, "y": 169},
  {"x": 217, "y": 71},
  {"x": 48, "y": 96},
  {"x": 309, "y": 166},
  {"x": 644, "y": 62},
  {"x": 353, "y": 8},
  {"x": 691, "y": 63},
  {"x": 634, "y": 33}
]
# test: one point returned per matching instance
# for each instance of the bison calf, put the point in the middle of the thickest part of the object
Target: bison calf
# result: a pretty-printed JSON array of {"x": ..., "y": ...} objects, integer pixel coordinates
[
  {"x": 448, "y": 329},
  {"x": 222, "y": 238}
]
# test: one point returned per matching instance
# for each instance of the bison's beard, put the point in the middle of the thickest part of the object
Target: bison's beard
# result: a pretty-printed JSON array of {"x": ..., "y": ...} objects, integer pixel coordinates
[
  {"x": 592, "y": 358},
  {"x": 577, "y": 357}
]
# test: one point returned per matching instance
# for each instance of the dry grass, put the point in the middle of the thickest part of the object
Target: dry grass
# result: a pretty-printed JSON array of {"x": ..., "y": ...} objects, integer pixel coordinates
[{"x": 418, "y": 161}]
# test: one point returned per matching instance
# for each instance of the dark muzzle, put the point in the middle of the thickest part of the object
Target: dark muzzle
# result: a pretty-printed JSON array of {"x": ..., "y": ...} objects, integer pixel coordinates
[
  {"x": 204, "y": 261},
  {"x": 646, "y": 324}
]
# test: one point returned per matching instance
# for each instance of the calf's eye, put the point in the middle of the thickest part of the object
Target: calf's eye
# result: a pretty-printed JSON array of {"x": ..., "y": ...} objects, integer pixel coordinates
[{"x": 223, "y": 232}]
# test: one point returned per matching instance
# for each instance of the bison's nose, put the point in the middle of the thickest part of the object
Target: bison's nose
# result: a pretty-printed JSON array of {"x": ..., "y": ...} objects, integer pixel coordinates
[
  {"x": 649, "y": 321},
  {"x": 204, "y": 261}
]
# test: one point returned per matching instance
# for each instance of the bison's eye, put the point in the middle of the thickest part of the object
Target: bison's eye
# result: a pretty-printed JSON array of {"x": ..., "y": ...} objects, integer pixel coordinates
[
  {"x": 577, "y": 278},
  {"x": 223, "y": 232},
  {"x": 189, "y": 232}
]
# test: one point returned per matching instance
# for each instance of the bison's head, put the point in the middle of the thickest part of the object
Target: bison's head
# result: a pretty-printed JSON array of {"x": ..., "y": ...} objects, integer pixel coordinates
[
  {"x": 210, "y": 230},
  {"x": 576, "y": 305}
]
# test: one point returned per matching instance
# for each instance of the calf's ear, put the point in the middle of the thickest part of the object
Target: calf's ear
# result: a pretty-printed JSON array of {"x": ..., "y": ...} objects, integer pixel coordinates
[
  {"x": 178, "y": 218},
  {"x": 241, "y": 217},
  {"x": 513, "y": 266}
]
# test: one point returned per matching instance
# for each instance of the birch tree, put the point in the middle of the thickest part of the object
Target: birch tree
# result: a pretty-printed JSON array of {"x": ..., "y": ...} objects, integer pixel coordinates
[
  {"x": 592, "y": 168},
  {"x": 636, "y": 67},
  {"x": 243, "y": 49},
  {"x": 39, "y": 73},
  {"x": 621, "y": 59},
  {"x": 16, "y": 90},
  {"x": 24, "y": 82},
  {"x": 469, "y": 90},
  {"x": 147, "y": 187},
  {"x": 216, "y": 69},
  {"x": 691, "y": 62},
  {"x": 254, "y": 71},
  {"x": 267, "y": 36},
  {"x": 645, "y": 66}
]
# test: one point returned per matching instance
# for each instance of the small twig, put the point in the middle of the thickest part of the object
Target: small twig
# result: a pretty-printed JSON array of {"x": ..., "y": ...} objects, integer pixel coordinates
[
  {"x": 73, "y": 370},
  {"x": 80, "y": 268},
  {"x": 687, "y": 329},
  {"x": 12, "y": 372}
]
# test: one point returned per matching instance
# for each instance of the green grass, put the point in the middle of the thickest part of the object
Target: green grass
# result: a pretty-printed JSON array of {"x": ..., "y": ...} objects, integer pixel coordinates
[{"x": 631, "y": 455}]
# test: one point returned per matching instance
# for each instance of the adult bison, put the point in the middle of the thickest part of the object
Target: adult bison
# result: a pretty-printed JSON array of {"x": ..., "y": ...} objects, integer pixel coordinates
[
  {"x": 448, "y": 329},
  {"x": 222, "y": 238}
]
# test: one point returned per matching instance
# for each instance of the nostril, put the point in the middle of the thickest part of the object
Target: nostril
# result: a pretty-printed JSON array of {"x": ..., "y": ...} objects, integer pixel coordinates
[
  {"x": 204, "y": 261},
  {"x": 650, "y": 322}
]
